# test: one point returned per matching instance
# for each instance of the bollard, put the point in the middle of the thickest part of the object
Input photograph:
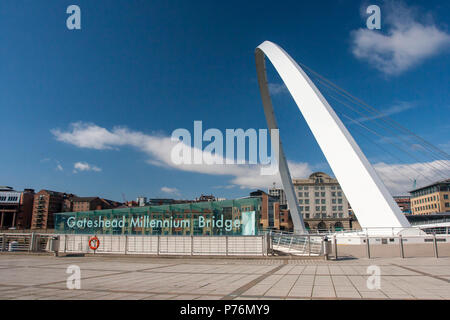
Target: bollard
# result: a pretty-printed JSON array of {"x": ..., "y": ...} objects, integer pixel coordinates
[
  {"x": 263, "y": 239},
  {"x": 400, "y": 242},
  {"x": 436, "y": 255},
  {"x": 32, "y": 240},
  {"x": 192, "y": 245},
  {"x": 335, "y": 247},
  {"x": 368, "y": 246},
  {"x": 157, "y": 245},
  {"x": 54, "y": 245},
  {"x": 126, "y": 244},
  {"x": 326, "y": 248},
  {"x": 309, "y": 246},
  {"x": 270, "y": 245},
  {"x": 4, "y": 242}
]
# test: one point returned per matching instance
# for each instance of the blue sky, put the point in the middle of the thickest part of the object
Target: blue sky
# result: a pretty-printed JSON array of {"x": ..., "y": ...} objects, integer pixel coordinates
[{"x": 80, "y": 109}]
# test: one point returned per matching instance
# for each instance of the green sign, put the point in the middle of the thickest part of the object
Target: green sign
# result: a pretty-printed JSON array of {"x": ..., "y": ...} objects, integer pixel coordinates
[{"x": 232, "y": 217}]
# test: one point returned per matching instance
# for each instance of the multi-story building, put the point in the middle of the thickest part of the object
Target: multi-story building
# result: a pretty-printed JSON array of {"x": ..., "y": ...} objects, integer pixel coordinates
[
  {"x": 141, "y": 201},
  {"x": 404, "y": 203},
  {"x": 46, "y": 203},
  {"x": 272, "y": 214},
  {"x": 323, "y": 203},
  {"x": 278, "y": 193},
  {"x": 433, "y": 198},
  {"x": 92, "y": 203},
  {"x": 16, "y": 208},
  {"x": 204, "y": 198}
]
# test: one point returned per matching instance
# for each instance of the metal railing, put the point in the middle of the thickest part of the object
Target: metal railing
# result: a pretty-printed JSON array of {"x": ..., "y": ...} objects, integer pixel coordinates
[
  {"x": 16, "y": 242},
  {"x": 283, "y": 242},
  {"x": 436, "y": 221},
  {"x": 387, "y": 246},
  {"x": 168, "y": 245}
]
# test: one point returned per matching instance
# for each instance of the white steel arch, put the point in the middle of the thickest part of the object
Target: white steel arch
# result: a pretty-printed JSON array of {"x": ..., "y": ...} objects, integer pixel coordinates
[{"x": 370, "y": 200}]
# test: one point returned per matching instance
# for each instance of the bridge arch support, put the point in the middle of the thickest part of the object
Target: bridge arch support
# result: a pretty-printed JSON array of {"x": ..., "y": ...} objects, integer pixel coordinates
[{"x": 370, "y": 200}]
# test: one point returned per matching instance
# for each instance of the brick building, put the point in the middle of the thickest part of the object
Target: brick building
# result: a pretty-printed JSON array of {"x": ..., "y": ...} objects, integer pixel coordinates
[
  {"x": 92, "y": 203},
  {"x": 16, "y": 208},
  {"x": 46, "y": 203},
  {"x": 404, "y": 203},
  {"x": 273, "y": 215}
]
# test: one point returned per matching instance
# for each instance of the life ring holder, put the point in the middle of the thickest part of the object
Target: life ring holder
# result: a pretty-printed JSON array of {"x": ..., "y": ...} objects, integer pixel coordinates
[{"x": 96, "y": 243}]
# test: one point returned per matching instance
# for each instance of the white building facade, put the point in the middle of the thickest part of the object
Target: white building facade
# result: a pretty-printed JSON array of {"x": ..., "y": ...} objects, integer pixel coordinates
[{"x": 321, "y": 197}]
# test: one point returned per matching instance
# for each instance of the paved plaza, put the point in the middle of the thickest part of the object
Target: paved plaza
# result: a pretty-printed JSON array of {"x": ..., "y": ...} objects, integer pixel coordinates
[{"x": 45, "y": 277}]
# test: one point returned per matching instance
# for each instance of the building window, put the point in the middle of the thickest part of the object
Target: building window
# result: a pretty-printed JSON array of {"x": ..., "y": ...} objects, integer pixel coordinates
[
  {"x": 324, "y": 208},
  {"x": 300, "y": 194},
  {"x": 300, "y": 188},
  {"x": 316, "y": 194},
  {"x": 306, "y": 194},
  {"x": 300, "y": 201},
  {"x": 305, "y": 188},
  {"x": 323, "y": 201},
  {"x": 317, "y": 208},
  {"x": 317, "y": 201},
  {"x": 306, "y": 201},
  {"x": 306, "y": 208},
  {"x": 446, "y": 196}
]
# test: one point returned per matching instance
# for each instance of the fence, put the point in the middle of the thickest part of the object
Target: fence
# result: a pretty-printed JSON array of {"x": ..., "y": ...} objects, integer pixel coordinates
[
  {"x": 296, "y": 244},
  {"x": 21, "y": 242},
  {"x": 279, "y": 243},
  {"x": 137, "y": 244},
  {"x": 407, "y": 246},
  {"x": 168, "y": 245}
]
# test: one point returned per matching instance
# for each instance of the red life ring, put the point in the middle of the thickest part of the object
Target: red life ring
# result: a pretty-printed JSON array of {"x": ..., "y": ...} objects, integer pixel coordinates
[{"x": 96, "y": 243}]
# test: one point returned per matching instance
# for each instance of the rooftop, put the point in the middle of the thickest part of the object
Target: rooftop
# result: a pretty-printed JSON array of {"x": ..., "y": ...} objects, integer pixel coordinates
[{"x": 445, "y": 181}]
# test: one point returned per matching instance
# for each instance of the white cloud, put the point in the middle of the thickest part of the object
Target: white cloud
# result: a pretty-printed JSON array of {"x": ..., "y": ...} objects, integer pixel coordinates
[
  {"x": 159, "y": 148},
  {"x": 170, "y": 190},
  {"x": 399, "y": 178},
  {"x": 409, "y": 39},
  {"x": 277, "y": 88},
  {"x": 59, "y": 167},
  {"x": 84, "y": 166},
  {"x": 397, "y": 108}
]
